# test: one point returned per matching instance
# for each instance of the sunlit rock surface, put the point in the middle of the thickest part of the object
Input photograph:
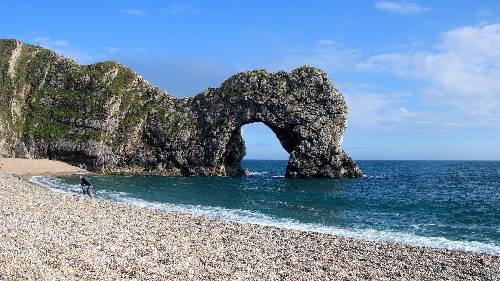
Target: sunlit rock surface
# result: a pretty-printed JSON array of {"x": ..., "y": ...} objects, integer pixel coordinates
[{"x": 109, "y": 118}]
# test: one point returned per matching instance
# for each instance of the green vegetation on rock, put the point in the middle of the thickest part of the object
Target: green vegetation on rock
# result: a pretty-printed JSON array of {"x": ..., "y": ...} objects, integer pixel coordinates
[
  {"x": 64, "y": 120},
  {"x": 107, "y": 116}
]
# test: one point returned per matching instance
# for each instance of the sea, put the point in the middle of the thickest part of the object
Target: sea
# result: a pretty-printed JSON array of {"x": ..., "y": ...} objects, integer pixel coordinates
[{"x": 440, "y": 204}]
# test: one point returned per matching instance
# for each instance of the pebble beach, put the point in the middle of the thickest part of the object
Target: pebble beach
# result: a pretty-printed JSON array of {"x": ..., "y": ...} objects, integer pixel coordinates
[{"x": 59, "y": 236}]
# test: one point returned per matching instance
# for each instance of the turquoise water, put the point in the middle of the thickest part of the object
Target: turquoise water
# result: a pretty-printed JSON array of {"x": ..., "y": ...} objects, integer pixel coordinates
[{"x": 444, "y": 204}]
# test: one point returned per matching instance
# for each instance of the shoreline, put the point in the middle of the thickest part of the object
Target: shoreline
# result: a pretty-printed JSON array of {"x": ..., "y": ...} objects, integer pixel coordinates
[
  {"x": 232, "y": 215},
  {"x": 61, "y": 235}
]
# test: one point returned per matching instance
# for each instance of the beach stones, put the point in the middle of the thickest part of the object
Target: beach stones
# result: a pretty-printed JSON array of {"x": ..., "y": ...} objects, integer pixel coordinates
[
  {"x": 109, "y": 118},
  {"x": 49, "y": 235}
]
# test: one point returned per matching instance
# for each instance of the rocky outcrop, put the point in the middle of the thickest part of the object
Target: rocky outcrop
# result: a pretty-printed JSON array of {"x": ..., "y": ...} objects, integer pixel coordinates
[{"x": 108, "y": 117}]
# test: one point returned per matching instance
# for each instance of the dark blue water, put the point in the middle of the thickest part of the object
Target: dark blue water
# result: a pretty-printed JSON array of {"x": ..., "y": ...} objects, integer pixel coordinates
[{"x": 449, "y": 204}]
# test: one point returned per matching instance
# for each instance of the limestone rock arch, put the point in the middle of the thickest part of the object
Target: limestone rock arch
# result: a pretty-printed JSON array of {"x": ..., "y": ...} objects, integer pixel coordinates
[
  {"x": 108, "y": 117},
  {"x": 304, "y": 110}
]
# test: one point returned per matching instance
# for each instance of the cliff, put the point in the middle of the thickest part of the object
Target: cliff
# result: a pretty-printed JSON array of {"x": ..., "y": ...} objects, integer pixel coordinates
[{"x": 109, "y": 118}]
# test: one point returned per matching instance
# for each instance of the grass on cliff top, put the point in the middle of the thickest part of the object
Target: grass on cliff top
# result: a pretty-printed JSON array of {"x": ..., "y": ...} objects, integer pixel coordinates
[{"x": 58, "y": 109}]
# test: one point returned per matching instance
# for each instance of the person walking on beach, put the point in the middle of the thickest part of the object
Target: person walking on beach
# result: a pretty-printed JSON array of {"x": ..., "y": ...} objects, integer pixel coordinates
[{"x": 85, "y": 185}]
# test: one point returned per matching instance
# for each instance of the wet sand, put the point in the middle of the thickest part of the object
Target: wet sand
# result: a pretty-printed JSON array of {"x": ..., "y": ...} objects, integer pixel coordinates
[{"x": 50, "y": 235}]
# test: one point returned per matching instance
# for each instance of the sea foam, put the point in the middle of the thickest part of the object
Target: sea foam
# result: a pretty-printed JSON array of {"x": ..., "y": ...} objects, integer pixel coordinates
[
  {"x": 256, "y": 173},
  {"x": 247, "y": 216}
]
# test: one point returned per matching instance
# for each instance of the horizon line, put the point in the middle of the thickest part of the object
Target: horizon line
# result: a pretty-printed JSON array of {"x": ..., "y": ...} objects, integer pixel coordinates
[{"x": 252, "y": 159}]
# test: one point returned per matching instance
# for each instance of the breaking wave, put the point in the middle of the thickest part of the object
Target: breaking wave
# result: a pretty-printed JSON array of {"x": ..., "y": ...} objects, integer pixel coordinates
[{"x": 248, "y": 216}]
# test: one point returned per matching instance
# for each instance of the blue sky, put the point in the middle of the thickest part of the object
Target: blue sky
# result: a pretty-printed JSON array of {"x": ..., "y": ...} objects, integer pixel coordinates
[{"x": 422, "y": 78}]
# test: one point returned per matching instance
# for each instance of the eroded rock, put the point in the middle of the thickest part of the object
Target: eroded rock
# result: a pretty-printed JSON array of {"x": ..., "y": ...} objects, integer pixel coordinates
[{"x": 110, "y": 118}]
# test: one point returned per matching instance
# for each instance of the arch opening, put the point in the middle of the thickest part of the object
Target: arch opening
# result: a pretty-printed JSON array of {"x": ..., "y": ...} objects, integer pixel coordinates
[
  {"x": 261, "y": 143},
  {"x": 255, "y": 143}
]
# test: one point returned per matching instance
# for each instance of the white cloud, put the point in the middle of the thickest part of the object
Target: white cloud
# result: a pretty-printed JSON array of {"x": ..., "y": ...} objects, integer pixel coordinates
[
  {"x": 112, "y": 50},
  {"x": 462, "y": 72},
  {"x": 81, "y": 54},
  {"x": 375, "y": 108},
  {"x": 50, "y": 42},
  {"x": 401, "y": 8},
  {"x": 65, "y": 48},
  {"x": 325, "y": 54},
  {"x": 369, "y": 106},
  {"x": 181, "y": 8},
  {"x": 484, "y": 13},
  {"x": 133, "y": 12},
  {"x": 327, "y": 42}
]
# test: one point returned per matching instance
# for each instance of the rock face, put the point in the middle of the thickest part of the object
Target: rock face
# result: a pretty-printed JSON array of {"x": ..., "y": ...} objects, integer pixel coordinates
[{"x": 108, "y": 117}]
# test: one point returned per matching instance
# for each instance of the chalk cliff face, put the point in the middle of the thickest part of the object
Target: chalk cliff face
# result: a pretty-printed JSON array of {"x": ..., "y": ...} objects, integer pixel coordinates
[{"x": 108, "y": 117}]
